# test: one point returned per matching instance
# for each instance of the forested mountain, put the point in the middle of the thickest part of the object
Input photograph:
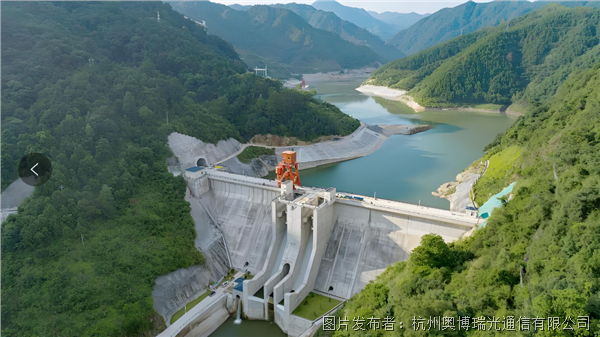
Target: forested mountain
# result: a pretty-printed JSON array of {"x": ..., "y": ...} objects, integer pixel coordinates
[
  {"x": 522, "y": 63},
  {"x": 239, "y": 7},
  {"x": 399, "y": 20},
  {"x": 449, "y": 23},
  {"x": 346, "y": 30},
  {"x": 357, "y": 16},
  {"x": 279, "y": 38},
  {"x": 89, "y": 85},
  {"x": 538, "y": 255}
]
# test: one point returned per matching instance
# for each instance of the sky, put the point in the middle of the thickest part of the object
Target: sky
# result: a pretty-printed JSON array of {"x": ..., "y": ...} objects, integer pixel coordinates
[{"x": 401, "y": 6}]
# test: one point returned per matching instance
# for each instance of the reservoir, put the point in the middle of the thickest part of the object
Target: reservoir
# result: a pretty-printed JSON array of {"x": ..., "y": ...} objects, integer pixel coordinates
[{"x": 405, "y": 168}]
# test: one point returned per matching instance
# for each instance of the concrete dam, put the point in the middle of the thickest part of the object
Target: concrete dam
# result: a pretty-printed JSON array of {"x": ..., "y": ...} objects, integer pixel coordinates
[
  {"x": 294, "y": 241},
  {"x": 297, "y": 241}
]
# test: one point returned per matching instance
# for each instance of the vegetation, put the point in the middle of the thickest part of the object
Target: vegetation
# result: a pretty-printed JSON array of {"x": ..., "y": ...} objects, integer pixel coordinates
[
  {"x": 347, "y": 30},
  {"x": 537, "y": 256},
  {"x": 89, "y": 84},
  {"x": 315, "y": 306},
  {"x": 279, "y": 39},
  {"x": 499, "y": 174},
  {"x": 252, "y": 152},
  {"x": 359, "y": 17},
  {"x": 449, "y": 23},
  {"x": 520, "y": 63},
  {"x": 189, "y": 306}
]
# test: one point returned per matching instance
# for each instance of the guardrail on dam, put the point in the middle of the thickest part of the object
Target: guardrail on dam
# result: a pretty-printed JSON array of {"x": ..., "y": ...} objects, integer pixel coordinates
[{"x": 296, "y": 241}]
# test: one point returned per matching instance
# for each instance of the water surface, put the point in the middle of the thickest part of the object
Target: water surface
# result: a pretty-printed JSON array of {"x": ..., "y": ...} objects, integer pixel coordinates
[
  {"x": 405, "y": 168},
  {"x": 248, "y": 329}
]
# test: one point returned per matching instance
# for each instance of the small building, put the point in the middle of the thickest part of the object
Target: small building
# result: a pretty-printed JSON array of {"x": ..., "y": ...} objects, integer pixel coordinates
[{"x": 238, "y": 289}]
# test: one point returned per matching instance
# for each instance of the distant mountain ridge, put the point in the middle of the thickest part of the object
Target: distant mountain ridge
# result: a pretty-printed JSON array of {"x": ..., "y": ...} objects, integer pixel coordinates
[
  {"x": 346, "y": 30},
  {"x": 520, "y": 64},
  {"x": 449, "y": 23},
  {"x": 279, "y": 38},
  {"x": 399, "y": 20},
  {"x": 359, "y": 17}
]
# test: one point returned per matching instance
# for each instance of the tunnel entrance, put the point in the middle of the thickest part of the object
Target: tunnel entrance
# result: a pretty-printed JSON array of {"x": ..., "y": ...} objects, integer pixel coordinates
[
  {"x": 330, "y": 288},
  {"x": 202, "y": 162}
]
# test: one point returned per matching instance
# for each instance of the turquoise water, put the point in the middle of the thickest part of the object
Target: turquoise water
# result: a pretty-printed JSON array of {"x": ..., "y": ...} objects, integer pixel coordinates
[
  {"x": 494, "y": 202},
  {"x": 405, "y": 168}
]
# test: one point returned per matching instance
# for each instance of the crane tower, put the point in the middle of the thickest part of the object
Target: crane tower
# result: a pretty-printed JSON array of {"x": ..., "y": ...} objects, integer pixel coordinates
[{"x": 288, "y": 169}]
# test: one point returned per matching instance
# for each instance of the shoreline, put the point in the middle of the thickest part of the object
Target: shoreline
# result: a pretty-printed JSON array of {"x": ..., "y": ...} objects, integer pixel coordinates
[
  {"x": 347, "y": 75},
  {"x": 458, "y": 192},
  {"x": 391, "y": 94},
  {"x": 337, "y": 149},
  {"x": 401, "y": 96}
]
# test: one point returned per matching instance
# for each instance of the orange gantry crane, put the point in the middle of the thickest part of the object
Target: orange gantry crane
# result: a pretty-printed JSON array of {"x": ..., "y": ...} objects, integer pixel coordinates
[{"x": 288, "y": 169}]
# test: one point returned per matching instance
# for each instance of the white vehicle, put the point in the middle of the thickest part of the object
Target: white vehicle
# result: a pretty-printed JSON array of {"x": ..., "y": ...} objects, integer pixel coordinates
[{"x": 225, "y": 284}]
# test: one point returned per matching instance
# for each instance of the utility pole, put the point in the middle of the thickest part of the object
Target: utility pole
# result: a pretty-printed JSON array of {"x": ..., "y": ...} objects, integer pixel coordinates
[{"x": 167, "y": 117}]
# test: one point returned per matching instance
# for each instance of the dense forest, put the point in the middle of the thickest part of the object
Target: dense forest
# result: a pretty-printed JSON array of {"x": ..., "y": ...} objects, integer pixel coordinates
[
  {"x": 538, "y": 255},
  {"x": 449, "y": 23},
  {"x": 89, "y": 84},
  {"x": 522, "y": 61},
  {"x": 280, "y": 39},
  {"x": 358, "y": 16},
  {"x": 345, "y": 29}
]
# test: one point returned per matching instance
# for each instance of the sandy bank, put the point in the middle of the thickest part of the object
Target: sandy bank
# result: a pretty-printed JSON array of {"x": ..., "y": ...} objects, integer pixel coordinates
[{"x": 391, "y": 94}]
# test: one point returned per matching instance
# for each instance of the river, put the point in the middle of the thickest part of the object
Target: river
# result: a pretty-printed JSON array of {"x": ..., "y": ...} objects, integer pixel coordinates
[{"x": 405, "y": 168}]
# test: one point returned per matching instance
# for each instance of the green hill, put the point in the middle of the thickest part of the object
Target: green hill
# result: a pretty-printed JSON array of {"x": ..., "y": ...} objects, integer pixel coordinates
[
  {"x": 279, "y": 38},
  {"x": 346, "y": 30},
  {"x": 357, "y": 16},
  {"x": 399, "y": 20},
  {"x": 449, "y": 23},
  {"x": 538, "y": 255},
  {"x": 89, "y": 85},
  {"x": 522, "y": 63}
]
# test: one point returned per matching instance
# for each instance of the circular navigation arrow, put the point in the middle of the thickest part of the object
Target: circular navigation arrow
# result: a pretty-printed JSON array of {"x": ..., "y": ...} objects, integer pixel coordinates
[{"x": 35, "y": 169}]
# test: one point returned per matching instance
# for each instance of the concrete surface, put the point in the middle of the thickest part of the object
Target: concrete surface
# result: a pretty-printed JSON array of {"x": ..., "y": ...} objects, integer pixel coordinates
[
  {"x": 204, "y": 318},
  {"x": 258, "y": 167},
  {"x": 13, "y": 196},
  {"x": 363, "y": 141},
  {"x": 189, "y": 149},
  {"x": 173, "y": 291},
  {"x": 244, "y": 215}
]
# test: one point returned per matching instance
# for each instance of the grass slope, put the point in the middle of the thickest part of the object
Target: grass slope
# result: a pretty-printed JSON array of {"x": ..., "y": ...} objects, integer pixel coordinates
[
  {"x": 314, "y": 306},
  {"x": 252, "y": 152}
]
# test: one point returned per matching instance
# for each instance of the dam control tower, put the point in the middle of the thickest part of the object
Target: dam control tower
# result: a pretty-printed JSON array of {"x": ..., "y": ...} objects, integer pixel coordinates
[{"x": 302, "y": 222}]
